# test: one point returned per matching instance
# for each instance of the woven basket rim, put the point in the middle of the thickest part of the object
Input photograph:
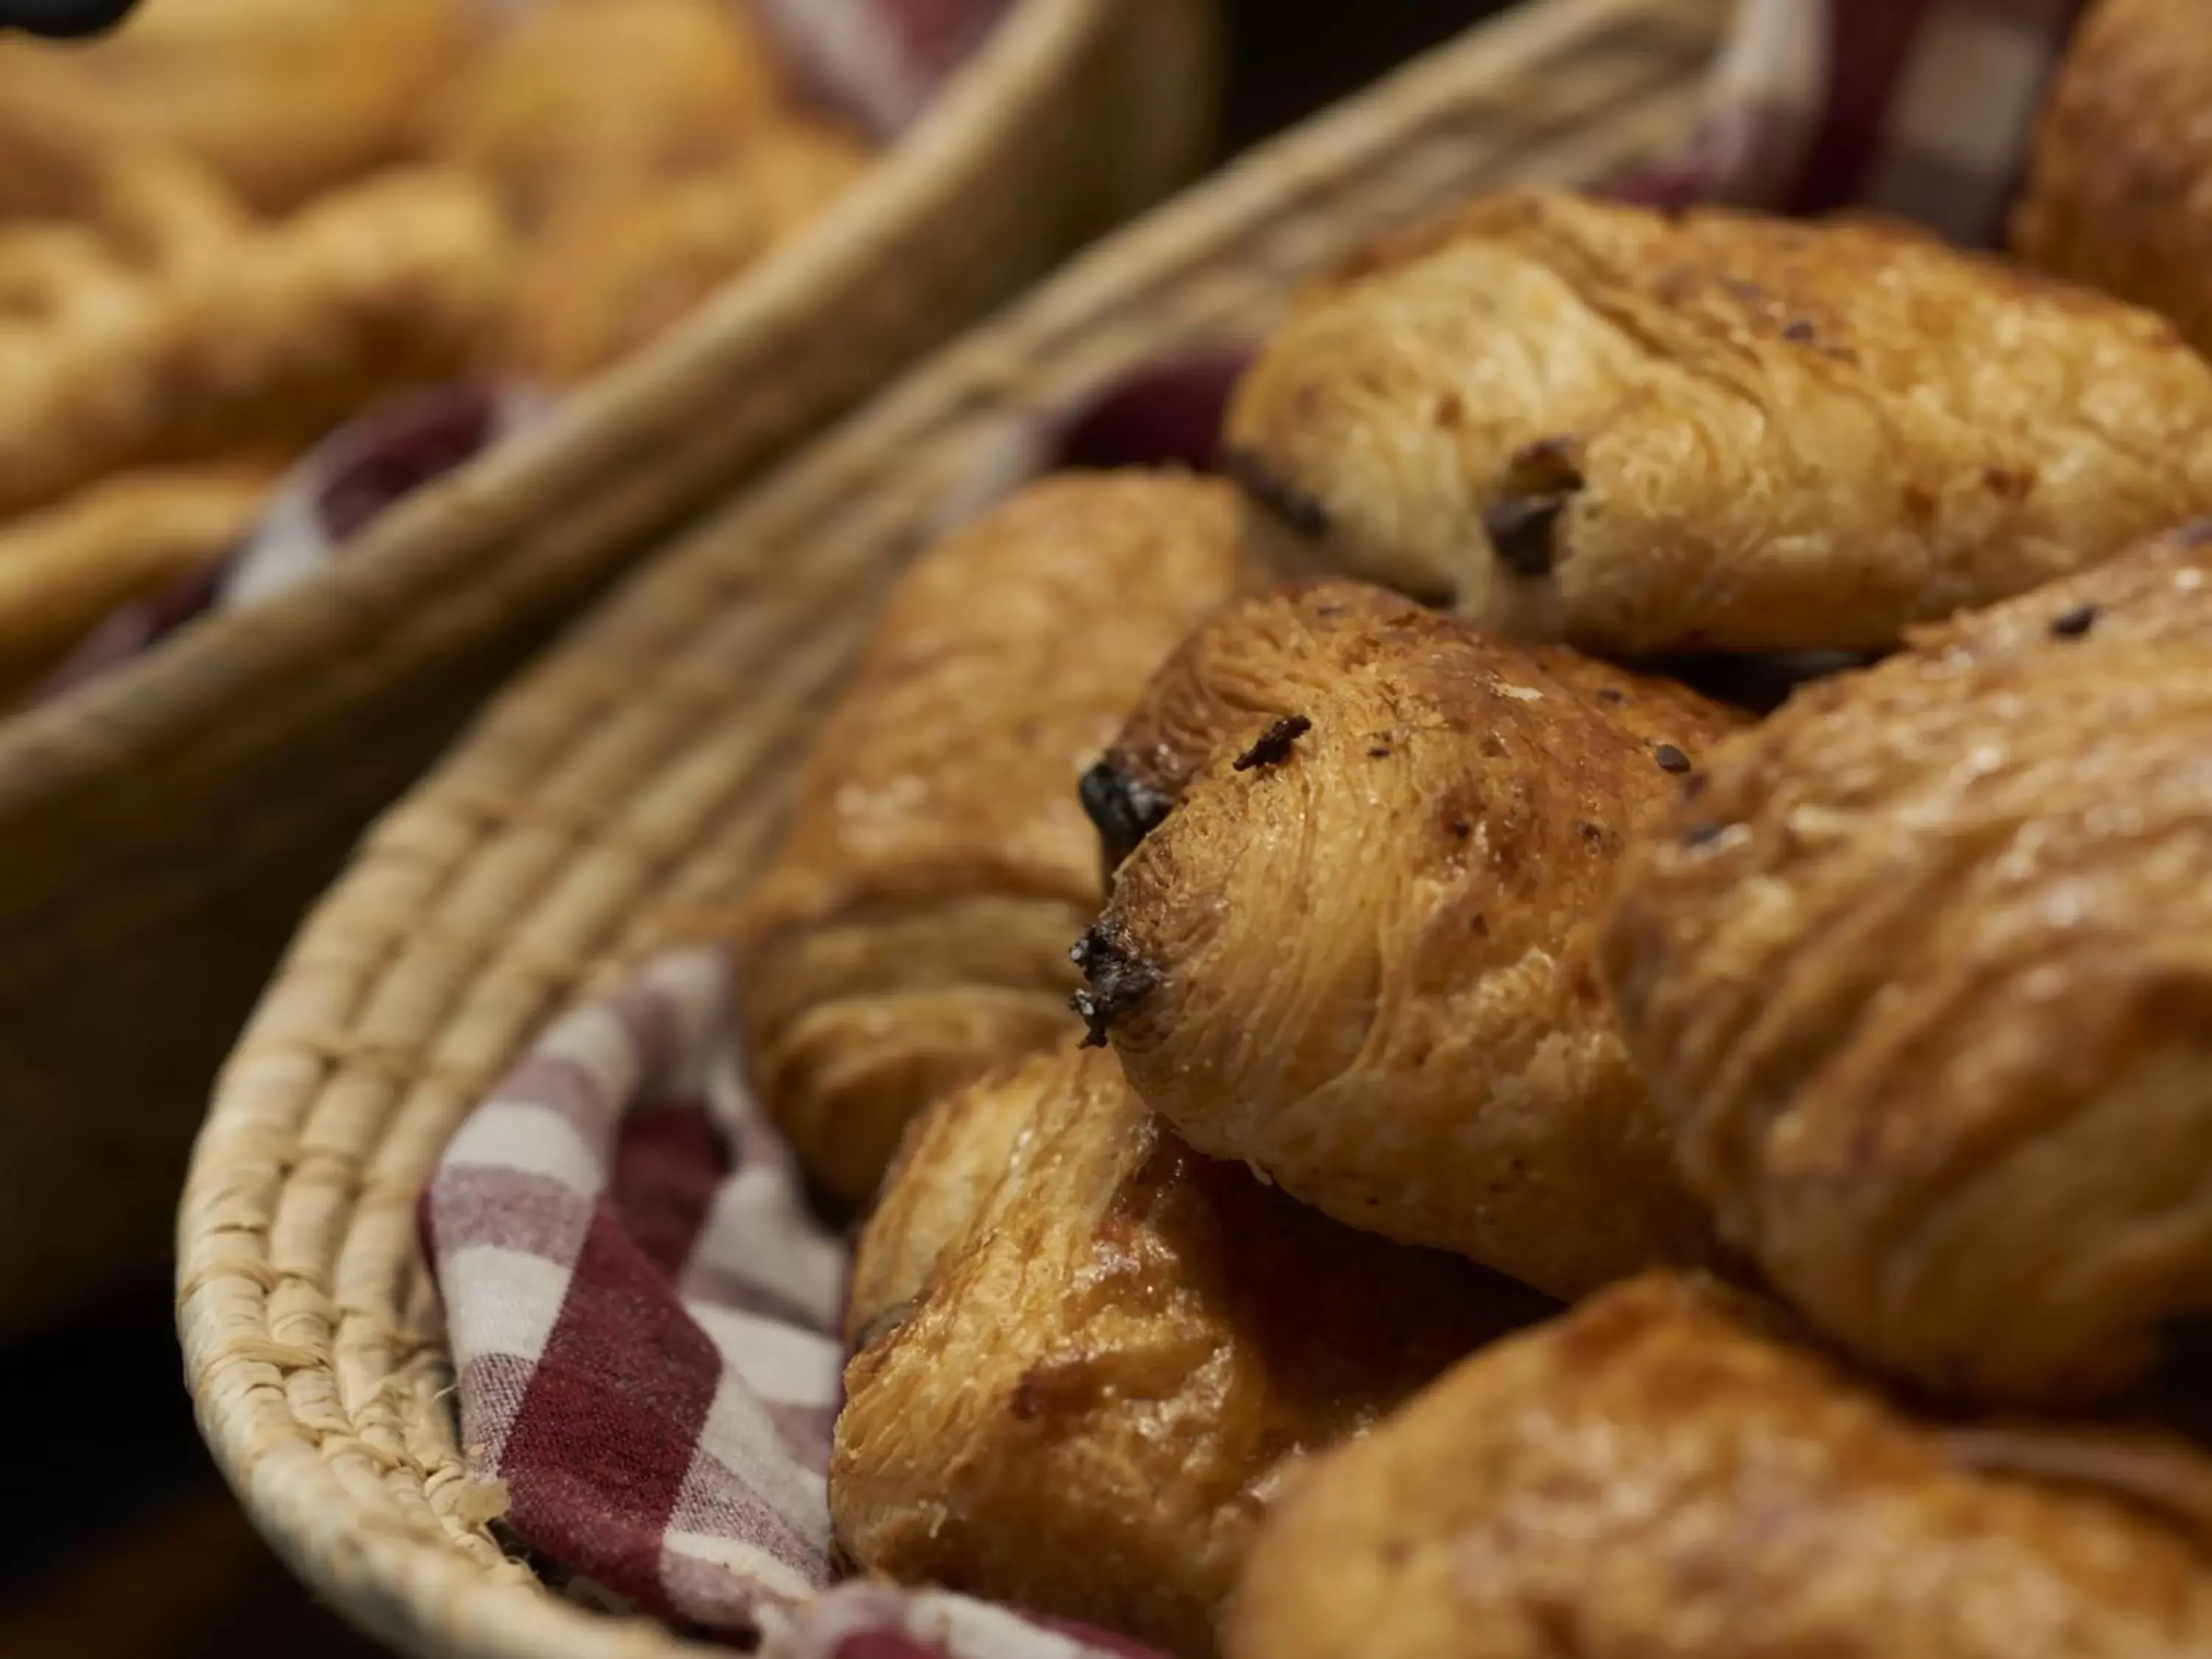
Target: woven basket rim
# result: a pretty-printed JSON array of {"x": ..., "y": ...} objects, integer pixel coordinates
[
  {"x": 228, "y": 658},
  {"x": 296, "y": 1416}
]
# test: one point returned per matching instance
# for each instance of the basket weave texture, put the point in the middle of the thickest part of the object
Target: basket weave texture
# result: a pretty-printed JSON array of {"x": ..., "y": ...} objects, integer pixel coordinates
[
  {"x": 162, "y": 830},
  {"x": 635, "y": 779}
]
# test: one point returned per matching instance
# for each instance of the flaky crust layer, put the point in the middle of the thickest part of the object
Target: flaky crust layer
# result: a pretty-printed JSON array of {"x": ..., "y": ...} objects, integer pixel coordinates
[
  {"x": 1356, "y": 954},
  {"x": 1922, "y": 978},
  {"x": 1641, "y": 434},
  {"x": 1654, "y": 1477},
  {"x": 1102, "y": 1388},
  {"x": 914, "y": 929},
  {"x": 2119, "y": 187}
]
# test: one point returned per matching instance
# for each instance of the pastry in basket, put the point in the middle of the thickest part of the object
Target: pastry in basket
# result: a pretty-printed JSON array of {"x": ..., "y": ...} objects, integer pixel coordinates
[
  {"x": 1357, "y": 954},
  {"x": 1102, "y": 1386},
  {"x": 914, "y": 929},
  {"x": 795, "y": 167},
  {"x": 580, "y": 99},
  {"x": 282, "y": 98},
  {"x": 2120, "y": 185},
  {"x": 105, "y": 364},
  {"x": 1923, "y": 977},
  {"x": 1641, "y": 433},
  {"x": 1657, "y": 1475},
  {"x": 62, "y": 569}
]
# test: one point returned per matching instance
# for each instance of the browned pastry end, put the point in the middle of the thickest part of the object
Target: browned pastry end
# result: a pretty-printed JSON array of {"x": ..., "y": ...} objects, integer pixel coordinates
[
  {"x": 1102, "y": 1388},
  {"x": 1644, "y": 434},
  {"x": 1654, "y": 1476},
  {"x": 1922, "y": 978},
  {"x": 581, "y": 99},
  {"x": 1357, "y": 953},
  {"x": 950, "y": 1161},
  {"x": 914, "y": 930},
  {"x": 2120, "y": 185}
]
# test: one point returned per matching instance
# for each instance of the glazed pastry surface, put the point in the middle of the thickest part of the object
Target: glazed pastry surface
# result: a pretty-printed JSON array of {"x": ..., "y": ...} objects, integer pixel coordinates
[
  {"x": 1655, "y": 1476},
  {"x": 914, "y": 929},
  {"x": 1357, "y": 953},
  {"x": 2119, "y": 187},
  {"x": 1922, "y": 979},
  {"x": 1104, "y": 1386},
  {"x": 1638, "y": 434}
]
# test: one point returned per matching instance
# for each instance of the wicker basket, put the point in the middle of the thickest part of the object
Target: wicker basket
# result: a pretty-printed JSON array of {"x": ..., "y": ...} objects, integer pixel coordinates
[
  {"x": 636, "y": 776},
  {"x": 162, "y": 830}
]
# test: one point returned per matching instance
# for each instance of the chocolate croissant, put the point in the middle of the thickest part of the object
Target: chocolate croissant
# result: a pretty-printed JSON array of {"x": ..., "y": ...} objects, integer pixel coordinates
[
  {"x": 1656, "y": 1476},
  {"x": 2119, "y": 184},
  {"x": 1640, "y": 434},
  {"x": 914, "y": 929},
  {"x": 1101, "y": 1386},
  {"x": 1922, "y": 979},
  {"x": 1356, "y": 954}
]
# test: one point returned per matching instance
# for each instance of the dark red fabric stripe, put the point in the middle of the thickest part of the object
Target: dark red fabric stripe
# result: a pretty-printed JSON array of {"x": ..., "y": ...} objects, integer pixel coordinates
[
  {"x": 611, "y": 1418},
  {"x": 667, "y": 1166},
  {"x": 1869, "y": 41}
]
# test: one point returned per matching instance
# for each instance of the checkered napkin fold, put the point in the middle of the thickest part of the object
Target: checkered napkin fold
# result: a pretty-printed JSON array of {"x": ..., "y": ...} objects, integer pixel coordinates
[{"x": 642, "y": 1307}]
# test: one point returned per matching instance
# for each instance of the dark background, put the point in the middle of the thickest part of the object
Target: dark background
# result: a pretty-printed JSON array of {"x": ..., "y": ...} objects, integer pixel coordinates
[{"x": 123, "y": 1540}]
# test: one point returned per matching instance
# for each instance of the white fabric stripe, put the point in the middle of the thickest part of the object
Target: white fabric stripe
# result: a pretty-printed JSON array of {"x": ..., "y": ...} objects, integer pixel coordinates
[
  {"x": 738, "y": 1435},
  {"x": 781, "y": 1362},
  {"x": 1966, "y": 92},
  {"x": 501, "y": 1301},
  {"x": 595, "y": 1038},
  {"x": 737, "y": 1558},
  {"x": 757, "y": 1230},
  {"x": 976, "y": 1630},
  {"x": 506, "y": 1134}
]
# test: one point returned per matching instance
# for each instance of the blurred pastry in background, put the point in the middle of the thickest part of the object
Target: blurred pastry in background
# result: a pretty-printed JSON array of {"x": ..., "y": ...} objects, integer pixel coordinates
[
  {"x": 1921, "y": 978},
  {"x": 580, "y": 99},
  {"x": 2119, "y": 180},
  {"x": 1641, "y": 434},
  {"x": 1104, "y": 1382},
  {"x": 126, "y": 537},
  {"x": 1661, "y": 1473},
  {"x": 1357, "y": 954},
  {"x": 796, "y": 165},
  {"x": 282, "y": 99},
  {"x": 391, "y": 285},
  {"x": 913, "y": 930}
]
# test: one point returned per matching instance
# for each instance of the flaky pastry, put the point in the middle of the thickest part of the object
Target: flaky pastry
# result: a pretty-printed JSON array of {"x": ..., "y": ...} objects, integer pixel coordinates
[
  {"x": 2119, "y": 184},
  {"x": 284, "y": 99},
  {"x": 1656, "y": 1476},
  {"x": 1922, "y": 978},
  {"x": 1101, "y": 1389},
  {"x": 580, "y": 99},
  {"x": 1642, "y": 433},
  {"x": 1356, "y": 954},
  {"x": 106, "y": 364},
  {"x": 914, "y": 929}
]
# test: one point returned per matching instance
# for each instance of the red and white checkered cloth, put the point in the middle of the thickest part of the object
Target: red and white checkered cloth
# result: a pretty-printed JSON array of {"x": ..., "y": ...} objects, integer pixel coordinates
[
  {"x": 640, "y": 1304},
  {"x": 879, "y": 62}
]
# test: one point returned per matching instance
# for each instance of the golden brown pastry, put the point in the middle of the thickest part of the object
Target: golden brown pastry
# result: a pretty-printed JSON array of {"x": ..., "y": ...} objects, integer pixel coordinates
[
  {"x": 914, "y": 930},
  {"x": 795, "y": 167},
  {"x": 125, "y": 537},
  {"x": 949, "y": 1163},
  {"x": 1641, "y": 434},
  {"x": 1100, "y": 1390},
  {"x": 613, "y": 274},
  {"x": 1356, "y": 954},
  {"x": 106, "y": 366},
  {"x": 1923, "y": 978},
  {"x": 282, "y": 98},
  {"x": 582, "y": 99},
  {"x": 2120, "y": 185},
  {"x": 1653, "y": 1476}
]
